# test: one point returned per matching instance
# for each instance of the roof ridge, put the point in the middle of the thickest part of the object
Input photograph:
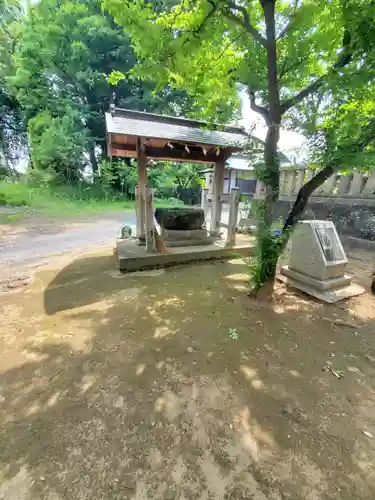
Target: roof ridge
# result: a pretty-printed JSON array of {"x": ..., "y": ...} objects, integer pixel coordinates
[{"x": 143, "y": 115}]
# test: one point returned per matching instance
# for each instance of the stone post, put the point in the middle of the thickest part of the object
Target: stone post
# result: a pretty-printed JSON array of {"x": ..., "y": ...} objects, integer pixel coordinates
[
  {"x": 289, "y": 182},
  {"x": 149, "y": 226},
  {"x": 260, "y": 190},
  {"x": 356, "y": 185},
  {"x": 282, "y": 182},
  {"x": 233, "y": 216},
  {"x": 369, "y": 189},
  {"x": 300, "y": 178},
  {"x": 344, "y": 184},
  {"x": 329, "y": 185}
]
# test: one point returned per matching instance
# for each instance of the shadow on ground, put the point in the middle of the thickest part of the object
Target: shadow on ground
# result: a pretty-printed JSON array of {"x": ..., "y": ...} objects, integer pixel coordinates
[{"x": 131, "y": 388}]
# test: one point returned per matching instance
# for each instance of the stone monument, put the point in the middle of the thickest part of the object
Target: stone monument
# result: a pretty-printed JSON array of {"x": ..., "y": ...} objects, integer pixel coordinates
[{"x": 317, "y": 263}]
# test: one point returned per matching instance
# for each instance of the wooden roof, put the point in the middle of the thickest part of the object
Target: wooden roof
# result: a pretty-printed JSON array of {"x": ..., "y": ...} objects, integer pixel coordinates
[{"x": 170, "y": 138}]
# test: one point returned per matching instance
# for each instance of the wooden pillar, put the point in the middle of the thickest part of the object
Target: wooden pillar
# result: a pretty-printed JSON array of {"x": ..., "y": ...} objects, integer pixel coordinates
[
  {"x": 233, "y": 216},
  {"x": 204, "y": 203},
  {"x": 142, "y": 182},
  {"x": 138, "y": 211},
  {"x": 149, "y": 219},
  {"x": 218, "y": 186}
]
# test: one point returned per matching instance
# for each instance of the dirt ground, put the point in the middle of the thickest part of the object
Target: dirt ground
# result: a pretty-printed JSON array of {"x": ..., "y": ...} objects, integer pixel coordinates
[{"x": 130, "y": 387}]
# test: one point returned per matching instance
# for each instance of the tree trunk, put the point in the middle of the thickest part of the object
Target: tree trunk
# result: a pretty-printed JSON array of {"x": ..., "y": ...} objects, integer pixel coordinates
[
  {"x": 3, "y": 153},
  {"x": 267, "y": 252},
  {"x": 93, "y": 161}
]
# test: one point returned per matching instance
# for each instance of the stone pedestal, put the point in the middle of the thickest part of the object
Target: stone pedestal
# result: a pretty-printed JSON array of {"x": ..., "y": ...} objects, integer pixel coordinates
[
  {"x": 182, "y": 226},
  {"x": 317, "y": 263},
  {"x": 180, "y": 218}
]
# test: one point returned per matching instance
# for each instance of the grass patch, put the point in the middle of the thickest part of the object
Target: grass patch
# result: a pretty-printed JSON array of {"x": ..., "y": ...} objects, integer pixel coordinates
[
  {"x": 65, "y": 200},
  {"x": 10, "y": 218}
]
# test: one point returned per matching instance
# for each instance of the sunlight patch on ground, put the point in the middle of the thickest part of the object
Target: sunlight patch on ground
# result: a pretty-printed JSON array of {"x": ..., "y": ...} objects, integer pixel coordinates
[{"x": 257, "y": 442}]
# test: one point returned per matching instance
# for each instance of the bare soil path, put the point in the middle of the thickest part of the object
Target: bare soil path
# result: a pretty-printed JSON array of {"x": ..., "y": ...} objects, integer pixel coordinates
[{"x": 129, "y": 387}]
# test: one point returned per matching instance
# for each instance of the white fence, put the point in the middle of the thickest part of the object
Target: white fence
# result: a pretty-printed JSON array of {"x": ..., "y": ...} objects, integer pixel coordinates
[{"x": 357, "y": 185}]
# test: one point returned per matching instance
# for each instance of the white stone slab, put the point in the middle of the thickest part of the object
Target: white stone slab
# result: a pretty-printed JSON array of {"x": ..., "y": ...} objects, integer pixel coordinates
[
  {"x": 331, "y": 284},
  {"x": 329, "y": 296},
  {"x": 316, "y": 250}
]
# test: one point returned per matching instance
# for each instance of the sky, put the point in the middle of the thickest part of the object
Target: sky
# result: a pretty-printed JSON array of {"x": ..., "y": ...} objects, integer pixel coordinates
[{"x": 290, "y": 142}]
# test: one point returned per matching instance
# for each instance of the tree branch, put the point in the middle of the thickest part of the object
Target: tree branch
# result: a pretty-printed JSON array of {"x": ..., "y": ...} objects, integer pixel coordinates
[
  {"x": 290, "y": 23},
  {"x": 308, "y": 188},
  {"x": 344, "y": 59},
  {"x": 303, "y": 196},
  {"x": 196, "y": 31},
  {"x": 228, "y": 45},
  {"x": 244, "y": 22},
  {"x": 214, "y": 8},
  {"x": 310, "y": 89},
  {"x": 285, "y": 69},
  {"x": 259, "y": 109}
]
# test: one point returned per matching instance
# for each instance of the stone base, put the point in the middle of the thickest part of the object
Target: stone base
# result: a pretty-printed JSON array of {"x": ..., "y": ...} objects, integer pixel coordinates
[
  {"x": 191, "y": 243},
  {"x": 132, "y": 257},
  {"x": 329, "y": 291},
  {"x": 330, "y": 284},
  {"x": 174, "y": 238},
  {"x": 175, "y": 235}
]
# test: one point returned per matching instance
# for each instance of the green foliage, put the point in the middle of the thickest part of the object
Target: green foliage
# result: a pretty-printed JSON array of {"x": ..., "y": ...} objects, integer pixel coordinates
[
  {"x": 205, "y": 48},
  {"x": 12, "y": 133},
  {"x": 65, "y": 200},
  {"x": 64, "y": 51},
  {"x": 119, "y": 176},
  {"x": 270, "y": 243},
  {"x": 58, "y": 144},
  {"x": 233, "y": 334}
]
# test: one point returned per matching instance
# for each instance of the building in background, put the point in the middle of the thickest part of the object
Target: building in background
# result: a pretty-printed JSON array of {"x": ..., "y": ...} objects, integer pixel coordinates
[{"x": 238, "y": 173}]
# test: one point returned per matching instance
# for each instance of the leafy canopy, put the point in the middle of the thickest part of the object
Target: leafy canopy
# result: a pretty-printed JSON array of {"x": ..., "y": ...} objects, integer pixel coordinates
[{"x": 208, "y": 46}]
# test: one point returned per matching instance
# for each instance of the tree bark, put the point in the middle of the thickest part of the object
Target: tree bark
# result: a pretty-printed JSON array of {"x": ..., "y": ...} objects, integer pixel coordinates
[
  {"x": 93, "y": 160},
  {"x": 270, "y": 175}
]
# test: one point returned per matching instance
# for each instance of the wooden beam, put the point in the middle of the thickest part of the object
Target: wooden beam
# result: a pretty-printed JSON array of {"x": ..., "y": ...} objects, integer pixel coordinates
[{"x": 165, "y": 154}]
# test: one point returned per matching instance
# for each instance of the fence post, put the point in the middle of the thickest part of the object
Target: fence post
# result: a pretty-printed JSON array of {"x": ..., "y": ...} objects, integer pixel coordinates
[
  {"x": 289, "y": 182},
  {"x": 282, "y": 182},
  {"x": 369, "y": 189},
  {"x": 356, "y": 185},
  {"x": 260, "y": 190},
  {"x": 299, "y": 181},
  {"x": 149, "y": 219},
  {"x": 329, "y": 185},
  {"x": 344, "y": 184},
  {"x": 233, "y": 216}
]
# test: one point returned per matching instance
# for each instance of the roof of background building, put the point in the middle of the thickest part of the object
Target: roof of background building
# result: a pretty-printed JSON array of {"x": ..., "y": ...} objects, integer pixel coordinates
[{"x": 141, "y": 124}]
